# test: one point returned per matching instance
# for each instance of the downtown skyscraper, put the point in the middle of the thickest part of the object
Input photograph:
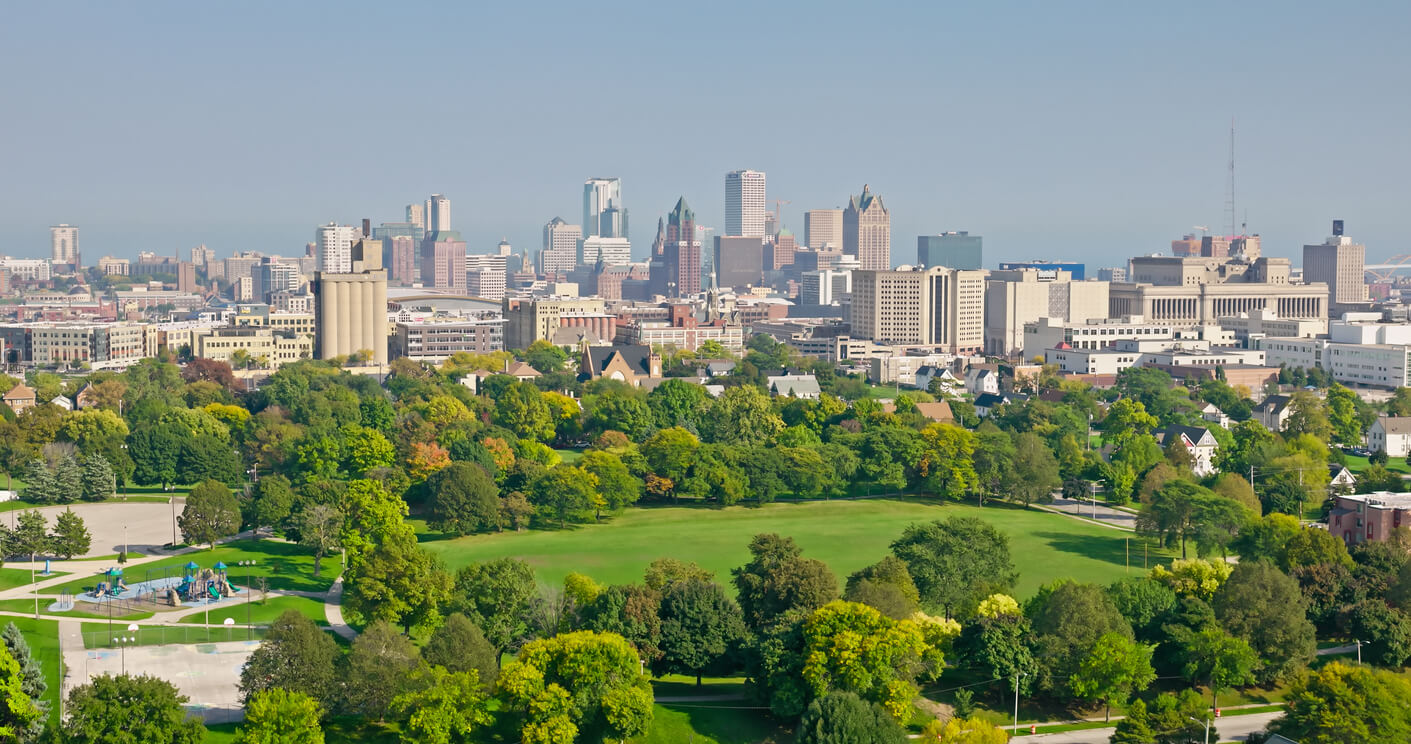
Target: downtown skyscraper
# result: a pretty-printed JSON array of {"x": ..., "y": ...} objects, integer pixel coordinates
[
  {"x": 744, "y": 204},
  {"x": 867, "y": 231},
  {"x": 64, "y": 245},
  {"x": 603, "y": 212},
  {"x": 675, "y": 268}
]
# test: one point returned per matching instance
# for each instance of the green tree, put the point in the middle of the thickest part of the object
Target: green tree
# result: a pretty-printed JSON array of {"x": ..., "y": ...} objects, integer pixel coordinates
[
  {"x": 211, "y": 513},
  {"x": 464, "y": 499},
  {"x": 377, "y": 670},
  {"x": 1264, "y": 606},
  {"x": 1384, "y": 632},
  {"x": 886, "y": 586},
  {"x": 521, "y": 409},
  {"x": 633, "y": 612},
  {"x": 854, "y": 648},
  {"x": 397, "y": 581},
  {"x": 1173, "y": 513},
  {"x": 1342, "y": 704},
  {"x": 1218, "y": 659},
  {"x": 956, "y": 563},
  {"x": 845, "y": 718},
  {"x": 617, "y": 411},
  {"x": 741, "y": 415},
  {"x": 700, "y": 625},
  {"x": 1068, "y": 620},
  {"x": 663, "y": 572},
  {"x": 1171, "y": 718},
  {"x": 70, "y": 536},
  {"x": 460, "y": 646},
  {"x": 1125, "y": 419},
  {"x": 32, "y": 679},
  {"x": 676, "y": 402},
  {"x": 273, "y": 501},
  {"x": 1308, "y": 415},
  {"x": 1266, "y": 538},
  {"x": 498, "y": 596},
  {"x": 1000, "y": 648},
  {"x": 1234, "y": 487},
  {"x": 963, "y": 730},
  {"x": 564, "y": 492},
  {"x": 1144, "y": 602},
  {"x": 1113, "y": 669},
  {"x": 579, "y": 682},
  {"x": 68, "y": 480},
  {"x": 443, "y": 706},
  {"x": 670, "y": 453},
  {"x": 1035, "y": 470},
  {"x": 544, "y": 356},
  {"x": 947, "y": 460},
  {"x": 295, "y": 656},
  {"x": 319, "y": 527},
  {"x": 779, "y": 579},
  {"x": 279, "y": 716},
  {"x": 129, "y": 710},
  {"x": 19, "y": 712},
  {"x": 1342, "y": 415},
  {"x": 206, "y": 457},
  {"x": 40, "y": 487},
  {"x": 615, "y": 482},
  {"x": 30, "y": 536},
  {"x": 97, "y": 481}
]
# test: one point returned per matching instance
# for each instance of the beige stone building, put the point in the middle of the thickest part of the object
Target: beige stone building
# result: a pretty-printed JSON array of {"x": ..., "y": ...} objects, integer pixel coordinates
[
  {"x": 823, "y": 227},
  {"x": 1015, "y": 297},
  {"x": 351, "y": 309},
  {"x": 867, "y": 231},
  {"x": 937, "y": 307},
  {"x": 528, "y": 319},
  {"x": 265, "y": 347},
  {"x": 1338, "y": 262}
]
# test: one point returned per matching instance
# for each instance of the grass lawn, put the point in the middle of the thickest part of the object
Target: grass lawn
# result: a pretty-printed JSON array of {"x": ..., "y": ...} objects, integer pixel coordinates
[
  {"x": 847, "y": 535},
  {"x": 96, "y": 634},
  {"x": 261, "y": 613},
  {"x": 81, "y": 609},
  {"x": 1358, "y": 463},
  {"x": 43, "y": 638},
  {"x": 17, "y": 505},
  {"x": 13, "y": 577},
  {"x": 570, "y": 456},
  {"x": 674, "y": 723},
  {"x": 286, "y": 566}
]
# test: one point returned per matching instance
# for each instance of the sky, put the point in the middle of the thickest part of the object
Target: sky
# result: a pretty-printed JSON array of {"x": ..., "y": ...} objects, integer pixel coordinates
[{"x": 1086, "y": 131}]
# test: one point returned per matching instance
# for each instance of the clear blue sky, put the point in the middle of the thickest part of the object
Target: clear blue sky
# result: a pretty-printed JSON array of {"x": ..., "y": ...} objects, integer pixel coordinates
[{"x": 1079, "y": 130}]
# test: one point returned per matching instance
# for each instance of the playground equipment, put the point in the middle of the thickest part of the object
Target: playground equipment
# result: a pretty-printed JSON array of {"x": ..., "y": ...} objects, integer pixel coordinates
[
  {"x": 113, "y": 586},
  {"x": 200, "y": 585}
]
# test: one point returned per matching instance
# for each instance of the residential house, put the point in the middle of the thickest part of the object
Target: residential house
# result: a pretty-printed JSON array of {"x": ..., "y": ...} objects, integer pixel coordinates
[
  {"x": 987, "y": 402},
  {"x": 982, "y": 380},
  {"x": 1215, "y": 416},
  {"x": 1390, "y": 434},
  {"x": 1198, "y": 441},
  {"x": 86, "y": 398},
  {"x": 20, "y": 398},
  {"x": 1273, "y": 412},
  {"x": 629, "y": 363},
  {"x": 794, "y": 386},
  {"x": 926, "y": 374},
  {"x": 1340, "y": 479},
  {"x": 62, "y": 402},
  {"x": 521, "y": 371}
]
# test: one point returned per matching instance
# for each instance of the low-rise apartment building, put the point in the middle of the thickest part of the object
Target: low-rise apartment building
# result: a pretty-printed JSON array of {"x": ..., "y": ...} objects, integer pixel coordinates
[{"x": 1369, "y": 517}]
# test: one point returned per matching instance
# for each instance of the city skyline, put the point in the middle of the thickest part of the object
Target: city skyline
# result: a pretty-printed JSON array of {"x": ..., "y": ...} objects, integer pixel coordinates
[{"x": 1080, "y": 138}]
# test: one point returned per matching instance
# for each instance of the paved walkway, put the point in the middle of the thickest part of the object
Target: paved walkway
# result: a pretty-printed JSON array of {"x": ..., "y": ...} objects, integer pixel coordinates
[
  {"x": 1228, "y": 728},
  {"x": 137, "y": 525},
  {"x": 333, "y": 611},
  {"x": 1105, "y": 515}
]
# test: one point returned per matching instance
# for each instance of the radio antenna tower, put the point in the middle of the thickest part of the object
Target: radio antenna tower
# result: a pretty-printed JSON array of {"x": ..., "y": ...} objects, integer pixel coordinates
[{"x": 1230, "y": 203}]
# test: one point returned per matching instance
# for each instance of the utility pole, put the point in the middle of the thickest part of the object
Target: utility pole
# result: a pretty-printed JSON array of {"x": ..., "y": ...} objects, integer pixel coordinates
[{"x": 1017, "y": 676}]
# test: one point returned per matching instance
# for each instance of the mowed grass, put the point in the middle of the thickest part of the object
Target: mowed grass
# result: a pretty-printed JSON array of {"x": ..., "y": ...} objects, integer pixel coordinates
[
  {"x": 260, "y": 613},
  {"x": 847, "y": 535},
  {"x": 16, "y": 577},
  {"x": 283, "y": 565}
]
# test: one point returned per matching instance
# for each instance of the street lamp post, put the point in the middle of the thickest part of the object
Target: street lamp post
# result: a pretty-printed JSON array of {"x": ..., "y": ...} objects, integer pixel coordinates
[
  {"x": 1017, "y": 677},
  {"x": 1206, "y": 724},
  {"x": 124, "y": 642},
  {"x": 1359, "y": 652}
]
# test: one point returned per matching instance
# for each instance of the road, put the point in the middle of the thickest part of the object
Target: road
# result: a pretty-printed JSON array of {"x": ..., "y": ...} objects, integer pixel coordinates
[
  {"x": 1104, "y": 514},
  {"x": 1231, "y": 728},
  {"x": 141, "y": 526}
]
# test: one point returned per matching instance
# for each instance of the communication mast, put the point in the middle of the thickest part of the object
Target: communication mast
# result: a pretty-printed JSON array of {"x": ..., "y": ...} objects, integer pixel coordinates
[{"x": 1230, "y": 201}]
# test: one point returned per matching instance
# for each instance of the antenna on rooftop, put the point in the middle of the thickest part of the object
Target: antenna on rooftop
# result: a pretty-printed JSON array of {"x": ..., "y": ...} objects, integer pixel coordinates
[{"x": 1230, "y": 203}]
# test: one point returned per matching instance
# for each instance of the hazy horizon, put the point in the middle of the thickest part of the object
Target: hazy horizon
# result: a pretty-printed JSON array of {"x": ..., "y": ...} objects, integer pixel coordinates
[{"x": 1088, "y": 133}]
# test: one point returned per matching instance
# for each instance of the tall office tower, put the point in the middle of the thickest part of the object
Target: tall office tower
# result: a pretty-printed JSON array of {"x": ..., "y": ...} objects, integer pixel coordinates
[
  {"x": 202, "y": 256},
  {"x": 335, "y": 243},
  {"x": 744, "y": 203},
  {"x": 675, "y": 269},
  {"x": 485, "y": 283},
  {"x": 1188, "y": 245},
  {"x": 560, "y": 252},
  {"x": 612, "y": 223},
  {"x": 438, "y": 213},
  {"x": 350, "y": 307},
  {"x": 867, "y": 231},
  {"x": 955, "y": 250},
  {"x": 779, "y": 252},
  {"x": 938, "y": 306},
  {"x": 1337, "y": 262},
  {"x": 64, "y": 240},
  {"x": 738, "y": 261},
  {"x": 822, "y": 227},
  {"x": 186, "y": 277},
  {"x": 443, "y": 260},
  {"x": 400, "y": 258},
  {"x": 416, "y": 215},
  {"x": 273, "y": 274},
  {"x": 607, "y": 251},
  {"x": 600, "y": 195}
]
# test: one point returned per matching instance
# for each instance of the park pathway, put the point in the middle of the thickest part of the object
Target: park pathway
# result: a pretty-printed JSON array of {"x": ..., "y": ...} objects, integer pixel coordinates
[
  {"x": 1228, "y": 728},
  {"x": 333, "y": 611},
  {"x": 1100, "y": 514}
]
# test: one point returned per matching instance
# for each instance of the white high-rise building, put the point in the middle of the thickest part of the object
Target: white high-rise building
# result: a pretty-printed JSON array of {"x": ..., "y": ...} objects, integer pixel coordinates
[
  {"x": 611, "y": 251},
  {"x": 599, "y": 195},
  {"x": 64, "y": 240},
  {"x": 335, "y": 245},
  {"x": 744, "y": 204},
  {"x": 438, "y": 213},
  {"x": 416, "y": 215},
  {"x": 560, "y": 252}
]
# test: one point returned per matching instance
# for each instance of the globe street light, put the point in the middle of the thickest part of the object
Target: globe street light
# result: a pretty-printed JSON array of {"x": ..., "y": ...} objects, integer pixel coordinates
[{"x": 229, "y": 623}]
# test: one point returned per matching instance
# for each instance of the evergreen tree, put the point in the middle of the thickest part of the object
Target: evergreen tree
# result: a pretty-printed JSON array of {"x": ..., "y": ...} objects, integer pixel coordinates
[
  {"x": 39, "y": 482},
  {"x": 98, "y": 479},
  {"x": 19, "y": 713},
  {"x": 70, "y": 536},
  {"x": 68, "y": 480},
  {"x": 32, "y": 681},
  {"x": 31, "y": 535}
]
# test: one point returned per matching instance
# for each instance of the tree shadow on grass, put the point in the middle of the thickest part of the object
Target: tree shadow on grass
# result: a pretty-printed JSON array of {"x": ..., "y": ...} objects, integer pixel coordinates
[
  {"x": 1108, "y": 549},
  {"x": 728, "y": 725}
]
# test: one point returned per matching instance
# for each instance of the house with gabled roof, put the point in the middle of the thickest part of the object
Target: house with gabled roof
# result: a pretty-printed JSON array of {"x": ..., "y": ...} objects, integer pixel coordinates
[
  {"x": 21, "y": 398},
  {"x": 794, "y": 386},
  {"x": 1198, "y": 441},
  {"x": 1273, "y": 412},
  {"x": 629, "y": 363},
  {"x": 1390, "y": 434}
]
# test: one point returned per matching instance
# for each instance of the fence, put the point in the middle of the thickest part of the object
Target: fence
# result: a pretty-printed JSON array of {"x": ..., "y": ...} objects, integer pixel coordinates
[{"x": 161, "y": 635}]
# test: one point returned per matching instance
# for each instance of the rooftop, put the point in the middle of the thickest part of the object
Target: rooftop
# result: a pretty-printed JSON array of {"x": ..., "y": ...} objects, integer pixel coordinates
[{"x": 1383, "y": 499}]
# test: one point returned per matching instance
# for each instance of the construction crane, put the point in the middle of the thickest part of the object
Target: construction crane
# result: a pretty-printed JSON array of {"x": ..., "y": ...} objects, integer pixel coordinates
[
  {"x": 1203, "y": 229},
  {"x": 777, "y": 212}
]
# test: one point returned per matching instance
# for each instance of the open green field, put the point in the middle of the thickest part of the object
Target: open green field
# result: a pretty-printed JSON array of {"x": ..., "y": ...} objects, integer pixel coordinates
[
  {"x": 284, "y": 565},
  {"x": 9, "y": 506},
  {"x": 260, "y": 613},
  {"x": 14, "y": 577},
  {"x": 847, "y": 535},
  {"x": 1358, "y": 463},
  {"x": 43, "y": 639}
]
